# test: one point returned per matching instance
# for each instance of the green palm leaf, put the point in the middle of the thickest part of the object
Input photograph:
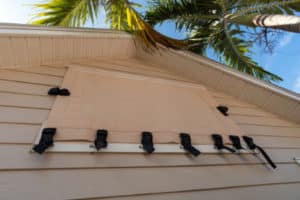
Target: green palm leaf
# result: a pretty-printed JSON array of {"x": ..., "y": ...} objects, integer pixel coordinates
[
  {"x": 245, "y": 7},
  {"x": 230, "y": 48},
  {"x": 121, "y": 14},
  {"x": 184, "y": 12},
  {"x": 68, "y": 13},
  {"x": 206, "y": 20}
]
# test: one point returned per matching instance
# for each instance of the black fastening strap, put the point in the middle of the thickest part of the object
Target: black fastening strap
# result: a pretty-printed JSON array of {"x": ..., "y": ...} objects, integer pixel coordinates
[
  {"x": 236, "y": 142},
  {"x": 218, "y": 142},
  {"x": 57, "y": 91},
  {"x": 101, "y": 139},
  {"x": 147, "y": 142},
  {"x": 223, "y": 110},
  {"x": 186, "y": 142},
  {"x": 46, "y": 140},
  {"x": 251, "y": 145}
]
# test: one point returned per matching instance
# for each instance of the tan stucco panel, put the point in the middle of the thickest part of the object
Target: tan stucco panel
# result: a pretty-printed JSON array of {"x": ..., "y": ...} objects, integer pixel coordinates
[{"x": 127, "y": 104}]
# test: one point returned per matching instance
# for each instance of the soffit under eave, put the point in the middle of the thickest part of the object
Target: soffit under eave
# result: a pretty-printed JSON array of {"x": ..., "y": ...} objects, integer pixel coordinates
[{"x": 46, "y": 46}]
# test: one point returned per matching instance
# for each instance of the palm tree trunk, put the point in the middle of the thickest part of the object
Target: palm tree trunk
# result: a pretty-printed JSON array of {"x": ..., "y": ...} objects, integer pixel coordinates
[
  {"x": 289, "y": 23},
  {"x": 284, "y": 22}
]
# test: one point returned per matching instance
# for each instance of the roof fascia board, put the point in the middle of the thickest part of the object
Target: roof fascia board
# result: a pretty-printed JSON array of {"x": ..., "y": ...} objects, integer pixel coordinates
[{"x": 21, "y": 29}]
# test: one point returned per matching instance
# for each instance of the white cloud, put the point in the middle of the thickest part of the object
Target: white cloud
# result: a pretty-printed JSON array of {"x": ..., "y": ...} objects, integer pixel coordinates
[
  {"x": 286, "y": 39},
  {"x": 296, "y": 86}
]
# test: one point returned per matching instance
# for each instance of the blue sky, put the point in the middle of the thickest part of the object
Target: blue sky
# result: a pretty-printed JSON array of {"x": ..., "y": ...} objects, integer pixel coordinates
[{"x": 285, "y": 60}]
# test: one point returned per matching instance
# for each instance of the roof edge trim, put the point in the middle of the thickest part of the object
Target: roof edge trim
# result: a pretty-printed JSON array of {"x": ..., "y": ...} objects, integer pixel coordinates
[{"x": 26, "y": 29}]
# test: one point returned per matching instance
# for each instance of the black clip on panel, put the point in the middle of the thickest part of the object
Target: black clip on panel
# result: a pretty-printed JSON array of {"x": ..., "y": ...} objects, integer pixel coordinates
[
  {"x": 46, "y": 140},
  {"x": 101, "y": 139},
  {"x": 54, "y": 91},
  {"x": 147, "y": 142},
  {"x": 57, "y": 91},
  {"x": 251, "y": 145},
  {"x": 236, "y": 142},
  {"x": 187, "y": 144},
  {"x": 223, "y": 110},
  {"x": 64, "y": 92},
  {"x": 218, "y": 142}
]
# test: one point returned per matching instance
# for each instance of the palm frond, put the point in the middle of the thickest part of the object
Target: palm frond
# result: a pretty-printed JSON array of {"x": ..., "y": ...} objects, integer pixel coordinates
[
  {"x": 206, "y": 20},
  {"x": 247, "y": 7},
  {"x": 227, "y": 43},
  {"x": 185, "y": 13},
  {"x": 67, "y": 13},
  {"x": 121, "y": 14}
]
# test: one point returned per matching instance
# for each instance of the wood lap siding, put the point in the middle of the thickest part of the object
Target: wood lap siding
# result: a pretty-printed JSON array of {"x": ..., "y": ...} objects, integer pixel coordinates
[
  {"x": 109, "y": 182},
  {"x": 24, "y": 99},
  {"x": 24, "y": 102},
  {"x": 247, "y": 115},
  {"x": 261, "y": 192}
]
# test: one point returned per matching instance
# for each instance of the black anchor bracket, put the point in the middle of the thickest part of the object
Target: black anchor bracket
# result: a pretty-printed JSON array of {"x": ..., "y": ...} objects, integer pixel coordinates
[
  {"x": 57, "y": 91},
  {"x": 223, "y": 109},
  {"x": 236, "y": 142},
  {"x": 186, "y": 142},
  {"x": 46, "y": 140},
  {"x": 101, "y": 139},
  {"x": 219, "y": 144},
  {"x": 252, "y": 146},
  {"x": 147, "y": 142}
]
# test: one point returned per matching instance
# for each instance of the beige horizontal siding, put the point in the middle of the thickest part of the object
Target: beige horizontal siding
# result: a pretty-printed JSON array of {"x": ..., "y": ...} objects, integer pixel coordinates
[
  {"x": 18, "y": 133},
  {"x": 23, "y": 88},
  {"x": 264, "y": 121},
  {"x": 233, "y": 102},
  {"x": 28, "y": 77},
  {"x": 263, "y": 192},
  {"x": 21, "y": 159},
  {"x": 246, "y": 111},
  {"x": 24, "y": 102},
  {"x": 278, "y": 142},
  {"x": 22, "y": 115},
  {"x": 270, "y": 130},
  {"x": 46, "y": 70},
  {"x": 24, "y": 105},
  {"x": 21, "y": 100},
  {"x": 88, "y": 183}
]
